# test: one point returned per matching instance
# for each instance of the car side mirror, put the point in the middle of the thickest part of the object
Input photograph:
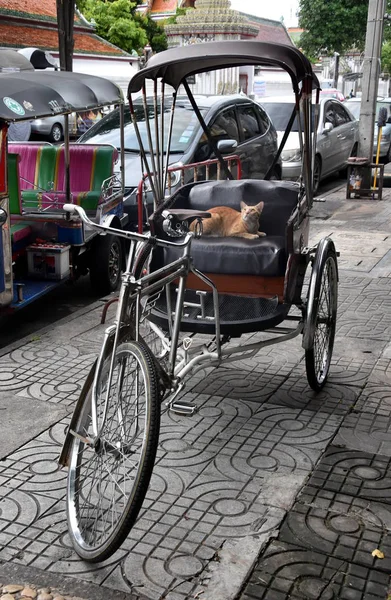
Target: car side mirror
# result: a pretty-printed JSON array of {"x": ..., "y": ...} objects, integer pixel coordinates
[
  {"x": 327, "y": 127},
  {"x": 3, "y": 216},
  {"x": 227, "y": 146}
]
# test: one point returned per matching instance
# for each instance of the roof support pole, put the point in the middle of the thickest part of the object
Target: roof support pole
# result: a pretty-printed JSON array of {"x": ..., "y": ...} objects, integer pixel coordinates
[
  {"x": 371, "y": 71},
  {"x": 65, "y": 18}
]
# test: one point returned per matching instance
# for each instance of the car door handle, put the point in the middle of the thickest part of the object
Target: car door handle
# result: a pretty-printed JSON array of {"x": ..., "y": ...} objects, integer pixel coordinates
[{"x": 341, "y": 137}]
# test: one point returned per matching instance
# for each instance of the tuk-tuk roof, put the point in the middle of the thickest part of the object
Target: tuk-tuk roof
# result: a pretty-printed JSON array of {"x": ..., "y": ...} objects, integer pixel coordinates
[
  {"x": 175, "y": 64},
  {"x": 11, "y": 60},
  {"x": 35, "y": 94}
]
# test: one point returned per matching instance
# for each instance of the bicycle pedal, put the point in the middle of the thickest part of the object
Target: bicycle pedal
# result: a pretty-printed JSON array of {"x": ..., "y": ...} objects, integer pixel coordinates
[{"x": 180, "y": 407}]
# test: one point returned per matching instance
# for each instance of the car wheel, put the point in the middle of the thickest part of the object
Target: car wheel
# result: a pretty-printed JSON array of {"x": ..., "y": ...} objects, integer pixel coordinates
[
  {"x": 317, "y": 174},
  {"x": 105, "y": 263},
  {"x": 56, "y": 134}
]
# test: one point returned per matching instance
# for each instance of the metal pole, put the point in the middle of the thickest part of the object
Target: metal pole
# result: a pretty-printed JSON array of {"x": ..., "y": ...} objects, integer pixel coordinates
[{"x": 371, "y": 72}]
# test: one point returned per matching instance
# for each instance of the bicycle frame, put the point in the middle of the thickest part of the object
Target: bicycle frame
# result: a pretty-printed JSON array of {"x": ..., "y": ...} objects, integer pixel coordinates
[{"x": 134, "y": 290}]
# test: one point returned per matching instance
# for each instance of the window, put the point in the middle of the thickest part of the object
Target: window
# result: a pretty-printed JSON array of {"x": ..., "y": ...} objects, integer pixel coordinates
[
  {"x": 341, "y": 115},
  {"x": 225, "y": 126},
  {"x": 249, "y": 122},
  {"x": 263, "y": 120}
]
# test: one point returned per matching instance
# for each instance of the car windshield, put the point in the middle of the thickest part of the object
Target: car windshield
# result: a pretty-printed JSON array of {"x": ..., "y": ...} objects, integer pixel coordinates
[
  {"x": 280, "y": 113},
  {"x": 185, "y": 127},
  {"x": 355, "y": 108}
]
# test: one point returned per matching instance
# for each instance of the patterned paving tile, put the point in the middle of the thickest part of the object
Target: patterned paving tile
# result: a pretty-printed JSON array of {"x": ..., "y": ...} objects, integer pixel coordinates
[
  {"x": 45, "y": 371},
  {"x": 354, "y": 473},
  {"x": 375, "y": 398},
  {"x": 240, "y": 384},
  {"x": 344, "y": 536},
  {"x": 367, "y": 432},
  {"x": 376, "y": 326},
  {"x": 290, "y": 572},
  {"x": 373, "y": 513},
  {"x": 334, "y": 398}
]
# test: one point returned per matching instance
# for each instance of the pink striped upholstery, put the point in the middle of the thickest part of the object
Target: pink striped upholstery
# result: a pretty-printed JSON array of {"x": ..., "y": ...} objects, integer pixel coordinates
[
  {"x": 81, "y": 165},
  {"x": 27, "y": 164}
]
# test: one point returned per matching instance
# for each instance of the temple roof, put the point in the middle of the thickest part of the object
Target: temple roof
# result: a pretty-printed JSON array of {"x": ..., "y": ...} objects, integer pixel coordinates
[
  {"x": 33, "y": 23},
  {"x": 270, "y": 30}
]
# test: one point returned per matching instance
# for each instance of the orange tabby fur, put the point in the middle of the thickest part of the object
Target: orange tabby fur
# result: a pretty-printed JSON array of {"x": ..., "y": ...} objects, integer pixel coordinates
[{"x": 227, "y": 222}]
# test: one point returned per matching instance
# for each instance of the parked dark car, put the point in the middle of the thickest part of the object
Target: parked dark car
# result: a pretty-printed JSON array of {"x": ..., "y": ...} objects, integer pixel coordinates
[{"x": 242, "y": 124}]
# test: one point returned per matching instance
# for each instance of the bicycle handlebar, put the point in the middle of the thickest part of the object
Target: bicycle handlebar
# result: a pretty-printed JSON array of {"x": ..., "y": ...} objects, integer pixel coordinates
[{"x": 129, "y": 235}]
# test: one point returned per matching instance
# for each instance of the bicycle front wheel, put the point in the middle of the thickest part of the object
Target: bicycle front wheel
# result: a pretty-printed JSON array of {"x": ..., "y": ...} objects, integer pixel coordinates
[{"x": 108, "y": 477}]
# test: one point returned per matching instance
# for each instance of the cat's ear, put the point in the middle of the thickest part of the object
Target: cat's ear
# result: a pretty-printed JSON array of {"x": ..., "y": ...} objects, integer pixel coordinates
[
  {"x": 242, "y": 205},
  {"x": 260, "y": 206}
]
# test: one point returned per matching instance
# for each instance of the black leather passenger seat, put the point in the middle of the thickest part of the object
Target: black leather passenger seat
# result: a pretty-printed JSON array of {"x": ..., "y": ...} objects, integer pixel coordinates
[{"x": 266, "y": 256}]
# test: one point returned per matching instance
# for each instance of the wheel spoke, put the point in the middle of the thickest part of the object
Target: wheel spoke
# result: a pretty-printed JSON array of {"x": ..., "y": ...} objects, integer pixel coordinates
[
  {"x": 104, "y": 476},
  {"x": 324, "y": 321}
]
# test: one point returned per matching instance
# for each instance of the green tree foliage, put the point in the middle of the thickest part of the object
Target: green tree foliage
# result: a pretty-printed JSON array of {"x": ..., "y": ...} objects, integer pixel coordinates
[
  {"x": 155, "y": 34},
  {"x": 332, "y": 25},
  {"x": 173, "y": 20},
  {"x": 118, "y": 22}
]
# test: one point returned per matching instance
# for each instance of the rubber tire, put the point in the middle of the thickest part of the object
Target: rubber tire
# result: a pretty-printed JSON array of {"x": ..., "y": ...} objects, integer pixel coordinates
[
  {"x": 147, "y": 461},
  {"x": 56, "y": 134},
  {"x": 317, "y": 167},
  {"x": 103, "y": 281},
  {"x": 315, "y": 383}
]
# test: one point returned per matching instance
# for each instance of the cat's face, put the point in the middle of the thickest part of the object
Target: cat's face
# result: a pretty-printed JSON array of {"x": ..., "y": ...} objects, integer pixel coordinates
[{"x": 250, "y": 214}]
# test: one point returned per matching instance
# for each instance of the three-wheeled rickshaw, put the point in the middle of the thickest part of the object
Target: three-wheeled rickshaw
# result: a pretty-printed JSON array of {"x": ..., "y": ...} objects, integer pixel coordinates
[
  {"x": 40, "y": 247},
  {"x": 187, "y": 301}
]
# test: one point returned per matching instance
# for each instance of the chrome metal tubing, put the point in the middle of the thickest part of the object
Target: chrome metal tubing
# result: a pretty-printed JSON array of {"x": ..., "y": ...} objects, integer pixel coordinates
[
  {"x": 177, "y": 321},
  {"x": 122, "y": 141},
  {"x": 165, "y": 173},
  {"x": 216, "y": 309}
]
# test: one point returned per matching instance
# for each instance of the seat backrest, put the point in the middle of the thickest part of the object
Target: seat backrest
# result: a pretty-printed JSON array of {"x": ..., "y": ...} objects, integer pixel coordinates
[
  {"x": 13, "y": 184},
  {"x": 279, "y": 197},
  {"x": 37, "y": 165},
  {"x": 89, "y": 166}
]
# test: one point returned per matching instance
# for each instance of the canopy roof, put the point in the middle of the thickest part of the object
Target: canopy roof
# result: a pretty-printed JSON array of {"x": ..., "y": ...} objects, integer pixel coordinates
[
  {"x": 35, "y": 94},
  {"x": 11, "y": 60},
  {"x": 174, "y": 65}
]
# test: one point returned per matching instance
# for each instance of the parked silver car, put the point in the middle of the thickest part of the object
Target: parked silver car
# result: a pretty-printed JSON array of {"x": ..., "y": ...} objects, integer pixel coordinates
[
  {"x": 354, "y": 105},
  {"x": 337, "y": 137},
  {"x": 52, "y": 128}
]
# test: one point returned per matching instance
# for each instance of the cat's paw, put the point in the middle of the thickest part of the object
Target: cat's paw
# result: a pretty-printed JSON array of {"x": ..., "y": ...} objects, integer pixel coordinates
[{"x": 261, "y": 234}]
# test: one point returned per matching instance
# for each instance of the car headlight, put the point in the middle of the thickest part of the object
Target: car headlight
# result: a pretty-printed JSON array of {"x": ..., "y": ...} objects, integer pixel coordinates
[
  {"x": 291, "y": 155},
  {"x": 174, "y": 177}
]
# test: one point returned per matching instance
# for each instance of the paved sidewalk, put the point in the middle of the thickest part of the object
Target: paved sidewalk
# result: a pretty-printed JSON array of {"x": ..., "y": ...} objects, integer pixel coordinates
[{"x": 265, "y": 474}]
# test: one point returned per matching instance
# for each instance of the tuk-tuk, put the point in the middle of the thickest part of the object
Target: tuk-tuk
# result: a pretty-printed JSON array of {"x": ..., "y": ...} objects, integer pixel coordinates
[{"x": 40, "y": 247}]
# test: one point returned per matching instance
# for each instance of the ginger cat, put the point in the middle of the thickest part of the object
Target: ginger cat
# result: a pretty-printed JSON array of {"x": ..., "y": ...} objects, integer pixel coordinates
[{"x": 227, "y": 222}]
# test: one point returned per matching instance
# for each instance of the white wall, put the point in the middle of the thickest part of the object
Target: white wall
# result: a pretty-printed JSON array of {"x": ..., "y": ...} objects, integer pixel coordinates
[{"x": 118, "y": 71}]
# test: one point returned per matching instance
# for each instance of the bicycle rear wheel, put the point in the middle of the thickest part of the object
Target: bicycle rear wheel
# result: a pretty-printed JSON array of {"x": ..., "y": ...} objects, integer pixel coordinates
[{"x": 109, "y": 477}]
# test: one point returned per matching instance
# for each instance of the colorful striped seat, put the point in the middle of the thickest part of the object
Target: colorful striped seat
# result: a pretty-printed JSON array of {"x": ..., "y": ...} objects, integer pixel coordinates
[
  {"x": 42, "y": 173},
  {"x": 21, "y": 237}
]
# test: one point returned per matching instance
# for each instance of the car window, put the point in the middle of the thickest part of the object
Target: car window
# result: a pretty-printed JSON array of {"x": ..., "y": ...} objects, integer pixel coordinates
[
  {"x": 248, "y": 122},
  {"x": 225, "y": 126},
  {"x": 329, "y": 114},
  {"x": 341, "y": 116},
  {"x": 185, "y": 128},
  {"x": 263, "y": 119}
]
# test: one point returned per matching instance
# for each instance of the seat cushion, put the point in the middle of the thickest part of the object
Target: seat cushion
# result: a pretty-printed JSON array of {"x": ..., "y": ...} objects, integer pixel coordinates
[
  {"x": 233, "y": 256},
  {"x": 21, "y": 235},
  {"x": 279, "y": 198}
]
